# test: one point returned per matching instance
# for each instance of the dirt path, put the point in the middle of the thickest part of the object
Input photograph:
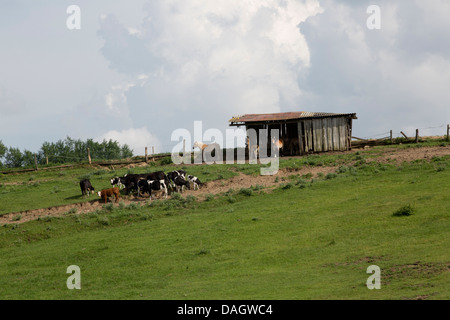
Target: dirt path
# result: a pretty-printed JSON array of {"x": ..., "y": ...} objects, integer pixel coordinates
[{"x": 220, "y": 186}]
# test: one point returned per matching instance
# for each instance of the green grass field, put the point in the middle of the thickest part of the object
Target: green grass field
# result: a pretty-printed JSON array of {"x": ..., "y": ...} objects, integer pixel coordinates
[{"x": 308, "y": 239}]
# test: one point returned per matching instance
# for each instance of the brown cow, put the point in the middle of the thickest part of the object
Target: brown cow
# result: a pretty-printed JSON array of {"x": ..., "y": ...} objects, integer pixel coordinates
[{"x": 104, "y": 194}]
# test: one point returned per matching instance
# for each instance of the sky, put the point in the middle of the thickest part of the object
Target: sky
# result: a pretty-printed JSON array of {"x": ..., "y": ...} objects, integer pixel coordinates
[{"x": 135, "y": 71}]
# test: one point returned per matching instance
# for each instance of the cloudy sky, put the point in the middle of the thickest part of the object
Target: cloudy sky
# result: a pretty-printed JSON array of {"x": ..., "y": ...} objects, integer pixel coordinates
[{"x": 136, "y": 71}]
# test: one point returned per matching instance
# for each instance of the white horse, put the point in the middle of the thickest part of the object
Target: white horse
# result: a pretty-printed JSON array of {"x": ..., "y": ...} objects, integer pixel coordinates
[{"x": 199, "y": 145}]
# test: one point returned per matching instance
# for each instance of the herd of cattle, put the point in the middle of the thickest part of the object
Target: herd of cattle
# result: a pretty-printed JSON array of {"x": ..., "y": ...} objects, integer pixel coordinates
[{"x": 147, "y": 183}]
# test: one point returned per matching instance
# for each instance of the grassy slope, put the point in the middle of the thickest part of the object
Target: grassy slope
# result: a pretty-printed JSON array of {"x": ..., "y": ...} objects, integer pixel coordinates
[
  {"x": 44, "y": 189},
  {"x": 309, "y": 242}
]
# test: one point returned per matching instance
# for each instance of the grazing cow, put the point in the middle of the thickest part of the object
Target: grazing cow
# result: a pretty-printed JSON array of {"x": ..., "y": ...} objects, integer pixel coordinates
[
  {"x": 172, "y": 175},
  {"x": 195, "y": 181},
  {"x": 156, "y": 185},
  {"x": 86, "y": 187},
  {"x": 105, "y": 193},
  {"x": 119, "y": 181},
  {"x": 138, "y": 181},
  {"x": 131, "y": 182},
  {"x": 180, "y": 183}
]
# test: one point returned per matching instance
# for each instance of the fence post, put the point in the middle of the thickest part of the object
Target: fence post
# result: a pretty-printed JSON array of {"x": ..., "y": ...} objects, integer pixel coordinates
[
  {"x": 153, "y": 150},
  {"x": 89, "y": 156},
  {"x": 35, "y": 162},
  {"x": 417, "y": 135},
  {"x": 448, "y": 131},
  {"x": 146, "y": 155},
  {"x": 391, "y": 135}
]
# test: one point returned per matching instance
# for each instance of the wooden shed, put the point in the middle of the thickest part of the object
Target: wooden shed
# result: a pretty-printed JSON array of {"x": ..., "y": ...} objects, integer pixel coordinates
[{"x": 303, "y": 132}]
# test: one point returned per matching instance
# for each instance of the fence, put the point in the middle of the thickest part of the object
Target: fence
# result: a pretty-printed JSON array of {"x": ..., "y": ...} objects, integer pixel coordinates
[
  {"x": 89, "y": 161},
  {"x": 388, "y": 137},
  {"x": 360, "y": 142}
]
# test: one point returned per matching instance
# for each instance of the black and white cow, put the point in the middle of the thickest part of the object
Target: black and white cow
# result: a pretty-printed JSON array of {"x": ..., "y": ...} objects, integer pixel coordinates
[
  {"x": 172, "y": 175},
  {"x": 153, "y": 186},
  {"x": 180, "y": 183},
  {"x": 118, "y": 182},
  {"x": 194, "y": 181},
  {"x": 86, "y": 187}
]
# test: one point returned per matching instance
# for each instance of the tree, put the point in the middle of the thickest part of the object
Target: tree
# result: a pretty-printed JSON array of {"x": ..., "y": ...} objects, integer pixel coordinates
[
  {"x": 13, "y": 158},
  {"x": 28, "y": 159},
  {"x": 2, "y": 152},
  {"x": 2, "y": 149},
  {"x": 126, "y": 152}
]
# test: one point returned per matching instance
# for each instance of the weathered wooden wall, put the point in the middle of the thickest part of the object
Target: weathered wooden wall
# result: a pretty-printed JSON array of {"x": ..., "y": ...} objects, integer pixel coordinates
[{"x": 324, "y": 134}]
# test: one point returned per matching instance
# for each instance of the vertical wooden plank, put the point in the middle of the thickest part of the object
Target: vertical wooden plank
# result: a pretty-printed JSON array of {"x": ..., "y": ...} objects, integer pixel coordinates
[
  {"x": 316, "y": 136},
  {"x": 324, "y": 135},
  {"x": 338, "y": 134},
  {"x": 342, "y": 136},
  {"x": 330, "y": 134},
  {"x": 300, "y": 138},
  {"x": 307, "y": 127},
  {"x": 311, "y": 137},
  {"x": 350, "y": 133}
]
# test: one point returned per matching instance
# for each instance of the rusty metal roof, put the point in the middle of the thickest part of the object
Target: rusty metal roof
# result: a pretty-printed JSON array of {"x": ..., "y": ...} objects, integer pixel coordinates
[{"x": 285, "y": 116}]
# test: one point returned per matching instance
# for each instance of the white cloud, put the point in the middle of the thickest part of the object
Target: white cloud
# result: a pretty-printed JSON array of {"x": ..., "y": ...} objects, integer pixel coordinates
[
  {"x": 210, "y": 60},
  {"x": 393, "y": 78},
  {"x": 136, "y": 139}
]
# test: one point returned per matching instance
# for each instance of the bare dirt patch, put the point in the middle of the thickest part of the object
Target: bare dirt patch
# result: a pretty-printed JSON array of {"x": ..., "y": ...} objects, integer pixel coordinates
[{"x": 411, "y": 154}]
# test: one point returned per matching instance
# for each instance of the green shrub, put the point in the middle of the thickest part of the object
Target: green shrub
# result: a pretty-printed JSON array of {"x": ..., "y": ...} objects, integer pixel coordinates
[
  {"x": 404, "y": 211},
  {"x": 230, "y": 199},
  {"x": 190, "y": 199},
  {"x": 176, "y": 196},
  {"x": 132, "y": 206},
  {"x": 287, "y": 186},
  {"x": 109, "y": 206},
  {"x": 72, "y": 211},
  {"x": 104, "y": 221},
  {"x": 166, "y": 161},
  {"x": 330, "y": 176},
  {"x": 307, "y": 176},
  {"x": 342, "y": 169},
  {"x": 246, "y": 191}
]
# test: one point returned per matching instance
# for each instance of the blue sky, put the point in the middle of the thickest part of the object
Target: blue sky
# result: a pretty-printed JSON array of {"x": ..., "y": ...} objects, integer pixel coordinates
[{"x": 137, "y": 71}]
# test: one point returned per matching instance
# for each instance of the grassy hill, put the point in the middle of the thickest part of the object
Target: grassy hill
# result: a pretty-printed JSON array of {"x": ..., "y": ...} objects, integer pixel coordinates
[{"x": 310, "y": 237}]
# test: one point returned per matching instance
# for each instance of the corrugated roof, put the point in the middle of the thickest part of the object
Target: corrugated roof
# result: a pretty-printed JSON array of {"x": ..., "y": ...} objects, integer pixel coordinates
[{"x": 286, "y": 116}]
